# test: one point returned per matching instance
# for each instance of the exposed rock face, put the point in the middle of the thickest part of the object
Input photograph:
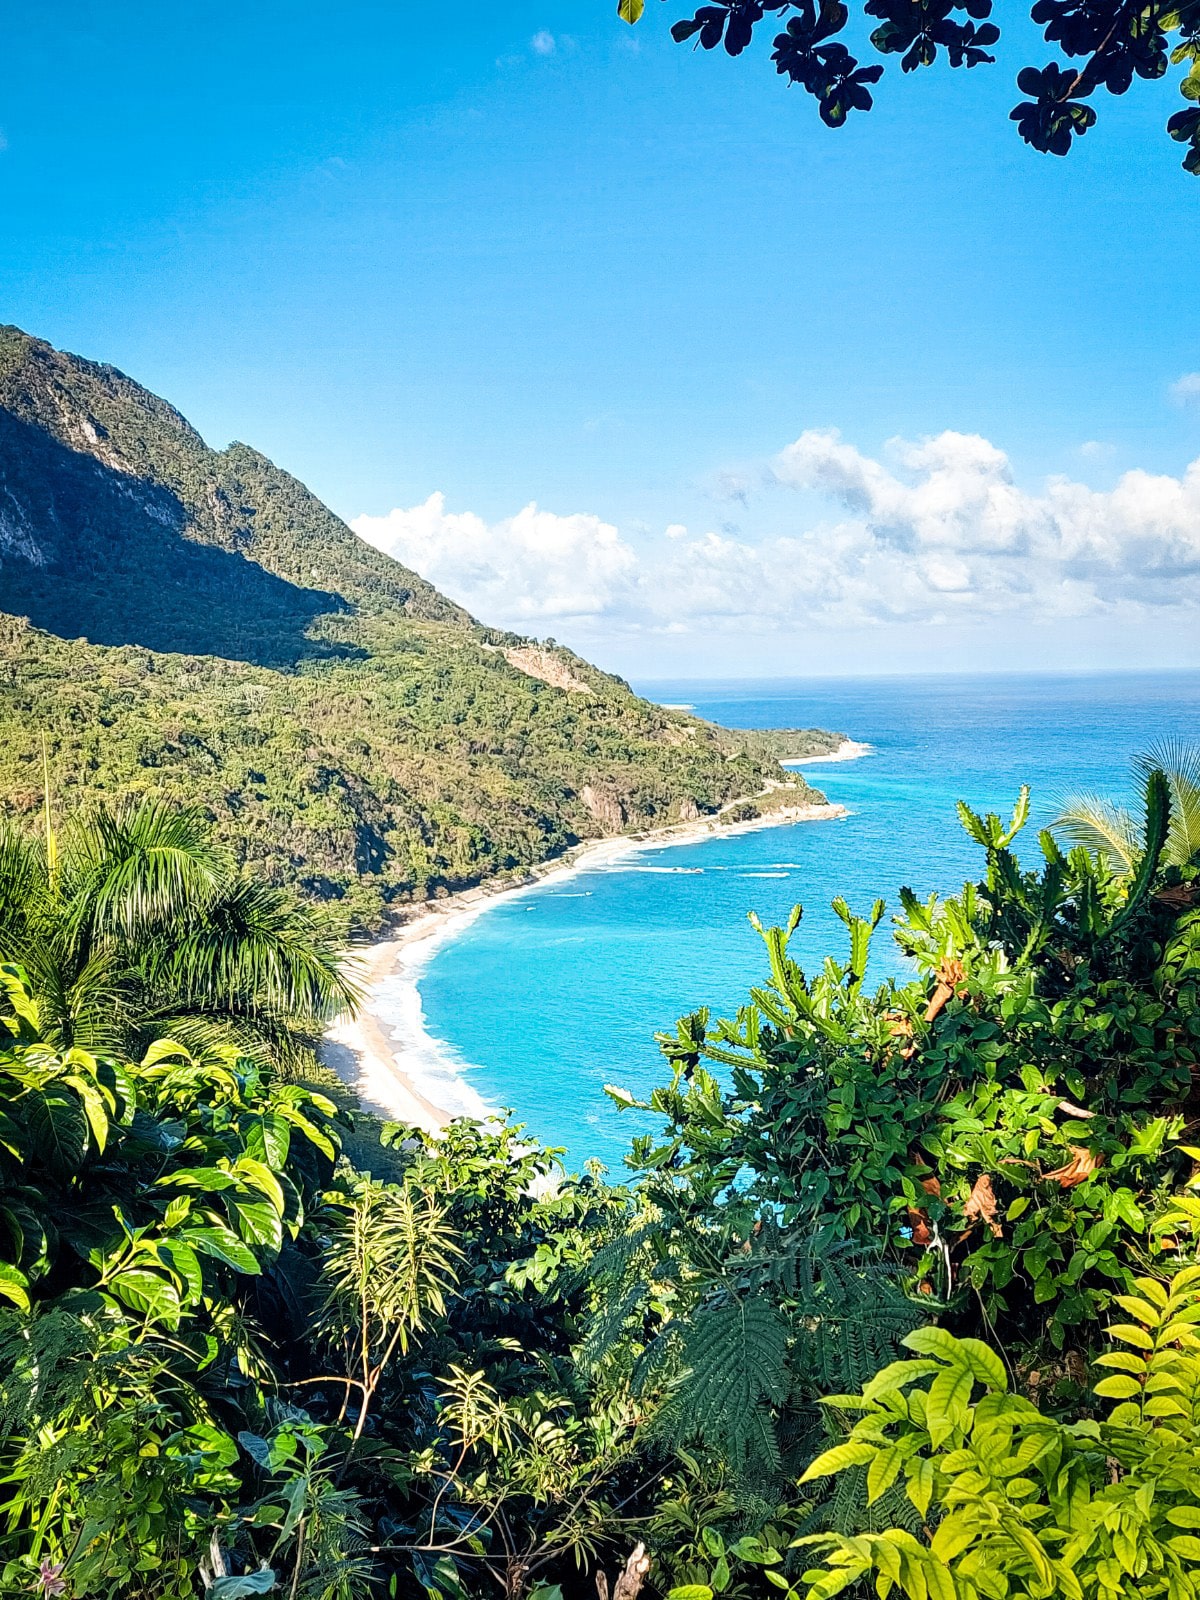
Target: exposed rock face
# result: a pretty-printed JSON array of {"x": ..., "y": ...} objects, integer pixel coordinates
[
  {"x": 689, "y": 811},
  {"x": 606, "y": 806},
  {"x": 538, "y": 662}
]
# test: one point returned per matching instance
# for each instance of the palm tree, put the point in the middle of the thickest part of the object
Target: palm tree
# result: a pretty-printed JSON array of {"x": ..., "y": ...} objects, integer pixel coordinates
[
  {"x": 1116, "y": 834},
  {"x": 140, "y": 926}
]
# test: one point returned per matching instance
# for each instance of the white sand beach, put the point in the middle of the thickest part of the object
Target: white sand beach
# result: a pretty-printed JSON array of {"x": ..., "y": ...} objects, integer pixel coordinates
[{"x": 398, "y": 1071}]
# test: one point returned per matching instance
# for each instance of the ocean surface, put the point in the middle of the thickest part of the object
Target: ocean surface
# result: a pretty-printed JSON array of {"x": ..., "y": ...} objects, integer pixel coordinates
[{"x": 553, "y": 993}]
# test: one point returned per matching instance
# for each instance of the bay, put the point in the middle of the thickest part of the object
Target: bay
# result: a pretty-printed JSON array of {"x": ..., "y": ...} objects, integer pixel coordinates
[{"x": 556, "y": 992}]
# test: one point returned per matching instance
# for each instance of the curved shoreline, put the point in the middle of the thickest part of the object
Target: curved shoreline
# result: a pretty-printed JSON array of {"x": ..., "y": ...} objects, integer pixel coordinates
[{"x": 382, "y": 1059}]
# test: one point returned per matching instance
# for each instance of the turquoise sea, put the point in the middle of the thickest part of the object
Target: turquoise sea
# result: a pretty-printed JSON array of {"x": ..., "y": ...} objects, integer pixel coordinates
[{"x": 553, "y": 993}]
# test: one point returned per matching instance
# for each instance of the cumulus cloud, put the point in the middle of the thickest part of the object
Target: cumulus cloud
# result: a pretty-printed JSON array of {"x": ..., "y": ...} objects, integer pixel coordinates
[
  {"x": 1185, "y": 391},
  {"x": 523, "y": 570},
  {"x": 937, "y": 532},
  {"x": 543, "y": 43}
]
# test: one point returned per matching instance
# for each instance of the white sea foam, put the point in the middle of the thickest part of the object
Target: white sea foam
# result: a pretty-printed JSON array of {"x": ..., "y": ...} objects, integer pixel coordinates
[
  {"x": 634, "y": 866},
  {"x": 848, "y": 750}
]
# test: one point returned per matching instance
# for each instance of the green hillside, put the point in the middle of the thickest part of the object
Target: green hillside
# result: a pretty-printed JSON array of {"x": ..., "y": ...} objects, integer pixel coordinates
[{"x": 193, "y": 623}]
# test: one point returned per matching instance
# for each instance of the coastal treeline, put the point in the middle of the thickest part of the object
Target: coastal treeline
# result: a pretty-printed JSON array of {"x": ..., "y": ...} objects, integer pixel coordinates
[{"x": 900, "y": 1295}]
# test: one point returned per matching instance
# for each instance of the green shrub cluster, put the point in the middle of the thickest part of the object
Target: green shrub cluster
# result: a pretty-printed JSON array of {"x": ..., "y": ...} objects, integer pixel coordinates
[{"x": 903, "y": 1295}]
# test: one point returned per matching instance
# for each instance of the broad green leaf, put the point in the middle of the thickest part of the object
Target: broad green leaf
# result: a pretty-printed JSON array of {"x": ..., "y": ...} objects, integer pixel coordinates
[
  {"x": 164, "y": 1050},
  {"x": 939, "y": 1581},
  {"x": 1130, "y": 1333},
  {"x": 1123, "y": 1361},
  {"x": 1148, "y": 1315},
  {"x": 269, "y": 1139},
  {"x": 920, "y": 1484},
  {"x": 630, "y": 10},
  {"x": 181, "y": 1258},
  {"x": 984, "y": 1363},
  {"x": 935, "y": 1341},
  {"x": 881, "y": 1474},
  {"x": 311, "y": 1132},
  {"x": 258, "y": 1222},
  {"x": 623, "y": 1098},
  {"x": 148, "y": 1293},
  {"x": 260, "y": 1177},
  {"x": 954, "y": 1535},
  {"x": 225, "y": 1246},
  {"x": 897, "y": 1375},
  {"x": 94, "y": 1108},
  {"x": 295, "y": 1496}
]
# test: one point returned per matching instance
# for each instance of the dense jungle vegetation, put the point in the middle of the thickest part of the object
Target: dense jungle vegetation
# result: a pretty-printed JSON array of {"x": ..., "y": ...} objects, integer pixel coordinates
[
  {"x": 187, "y": 625},
  {"x": 902, "y": 1296}
]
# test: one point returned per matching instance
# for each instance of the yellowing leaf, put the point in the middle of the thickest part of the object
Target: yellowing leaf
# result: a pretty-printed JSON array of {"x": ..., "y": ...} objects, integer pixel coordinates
[
  {"x": 1121, "y": 1387},
  {"x": 954, "y": 1535},
  {"x": 1146, "y": 1314},
  {"x": 1123, "y": 1361},
  {"x": 881, "y": 1474},
  {"x": 949, "y": 1404},
  {"x": 920, "y": 1485},
  {"x": 838, "y": 1459},
  {"x": 1130, "y": 1333}
]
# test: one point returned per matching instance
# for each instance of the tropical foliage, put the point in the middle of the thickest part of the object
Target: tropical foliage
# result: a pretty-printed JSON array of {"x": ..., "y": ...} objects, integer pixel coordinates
[
  {"x": 135, "y": 924},
  {"x": 1023, "y": 1503},
  {"x": 860, "y": 1315},
  {"x": 1114, "y": 832},
  {"x": 1104, "y": 45}
]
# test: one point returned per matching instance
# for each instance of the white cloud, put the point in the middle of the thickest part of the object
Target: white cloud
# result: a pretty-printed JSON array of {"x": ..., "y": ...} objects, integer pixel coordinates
[
  {"x": 940, "y": 533},
  {"x": 543, "y": 43},
  {"x": 1185, "y": 391},
  {"x": 520, "y": 571}
]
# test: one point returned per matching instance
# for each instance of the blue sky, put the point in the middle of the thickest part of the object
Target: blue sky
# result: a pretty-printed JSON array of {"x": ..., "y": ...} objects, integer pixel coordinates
[{"x": 522, "y": 254}]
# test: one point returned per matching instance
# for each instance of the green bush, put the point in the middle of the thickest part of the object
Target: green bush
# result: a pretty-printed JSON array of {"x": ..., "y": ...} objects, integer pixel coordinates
[{"x": 1015, "y": 1503}]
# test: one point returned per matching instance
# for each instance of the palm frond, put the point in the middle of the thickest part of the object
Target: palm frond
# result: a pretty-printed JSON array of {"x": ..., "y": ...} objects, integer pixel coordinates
[
  {"x": 1106, "y": 829},
  {"x": 1179, "y": 761},
  {"x": 139, "y": 867},
  {"x": 24, "y": 888},
  {"x": 258, "y": 949}
]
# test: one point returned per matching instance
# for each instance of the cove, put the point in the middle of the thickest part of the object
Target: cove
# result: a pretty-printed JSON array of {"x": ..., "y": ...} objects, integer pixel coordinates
[{"x": 553, "y": 993}]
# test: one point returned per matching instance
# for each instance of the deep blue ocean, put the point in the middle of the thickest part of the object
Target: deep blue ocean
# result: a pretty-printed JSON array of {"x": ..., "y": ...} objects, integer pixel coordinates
[{"x": 553, "y": 993}]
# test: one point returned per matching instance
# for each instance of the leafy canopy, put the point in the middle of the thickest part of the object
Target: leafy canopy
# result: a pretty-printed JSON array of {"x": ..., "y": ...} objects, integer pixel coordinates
[{"x": 1102, "y": 44}]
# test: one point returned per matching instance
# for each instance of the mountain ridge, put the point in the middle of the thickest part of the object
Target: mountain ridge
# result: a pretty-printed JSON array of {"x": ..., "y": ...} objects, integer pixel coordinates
[{"x": 196, "y": 624}]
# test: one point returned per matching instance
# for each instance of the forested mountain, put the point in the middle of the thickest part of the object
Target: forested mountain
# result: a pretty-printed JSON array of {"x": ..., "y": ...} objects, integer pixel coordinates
[{"x": 192, "y": 623}]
